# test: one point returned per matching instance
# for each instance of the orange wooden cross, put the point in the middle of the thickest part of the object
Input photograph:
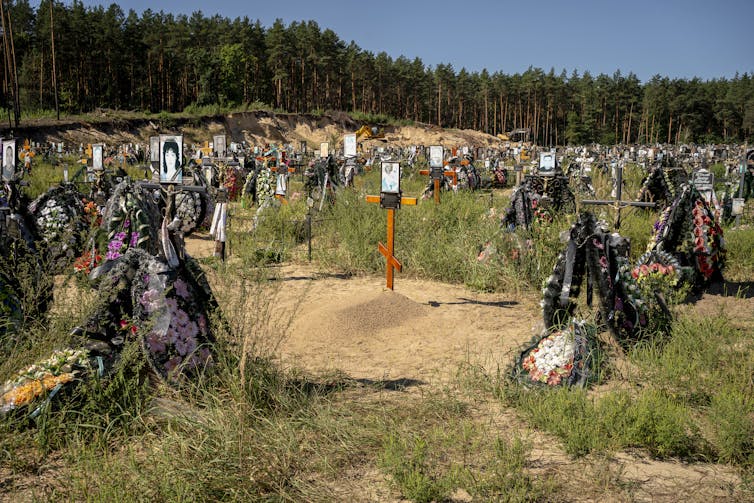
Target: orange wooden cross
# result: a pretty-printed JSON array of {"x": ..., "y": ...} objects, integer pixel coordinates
[
  {"x": 451, "y": 173},
  {"x": 389, "y": 250}
]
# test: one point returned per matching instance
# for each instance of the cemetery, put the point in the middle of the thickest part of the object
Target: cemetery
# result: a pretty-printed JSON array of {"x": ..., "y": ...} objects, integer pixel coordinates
[
  {"x": 185, "y": 251},
  {"x": 256, "y": 263}
]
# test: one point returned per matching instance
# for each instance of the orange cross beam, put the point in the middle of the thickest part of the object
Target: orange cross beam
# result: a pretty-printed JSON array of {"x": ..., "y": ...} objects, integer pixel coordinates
[
  {"x": 290, "y": 170},
  {"x": 437, "y": 181},
  {"x": 389, "y": 250}
]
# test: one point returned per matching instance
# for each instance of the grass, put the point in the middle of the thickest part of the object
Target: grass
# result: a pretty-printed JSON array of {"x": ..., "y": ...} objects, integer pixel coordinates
[
  {"x": 691, "y": 398},
  {"x": 249, "y": 430}
]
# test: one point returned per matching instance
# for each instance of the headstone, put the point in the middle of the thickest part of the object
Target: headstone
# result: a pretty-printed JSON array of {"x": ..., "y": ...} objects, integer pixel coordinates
[{"x": 704, "y": 181}]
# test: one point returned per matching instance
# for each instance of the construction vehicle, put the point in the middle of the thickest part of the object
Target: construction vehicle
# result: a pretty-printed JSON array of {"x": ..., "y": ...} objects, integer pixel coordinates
[{"x": 369, "y": 133}]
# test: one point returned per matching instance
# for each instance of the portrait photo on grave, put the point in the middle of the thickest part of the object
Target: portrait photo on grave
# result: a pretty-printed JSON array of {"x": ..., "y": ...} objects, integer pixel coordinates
[
  {"x": 171, "y": 149},
  {"x": 391, "y": 177},
  {"x": 218, "y": 145},
  {"x": 435, "y": 156},
  {"x": 97, "y": 157},
  {"x": 9, "y": 159}
]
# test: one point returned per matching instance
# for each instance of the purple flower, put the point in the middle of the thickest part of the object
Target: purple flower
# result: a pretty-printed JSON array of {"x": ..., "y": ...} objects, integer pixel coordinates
[
  {"x": 172, "y": 306},
  {"x": 181, "y": 317},
  {"x": 618, "y": 304},
  {"x": 185, "y": 346},
  {"x": 126, "y": 224},
  {"x": 181, "y": 288},
  {"x": 150, "y": 300},
  {"x": 173, "y": 363},
  {"x": 156, "y": 342},
  {"x": 112, "y": 255},
  {"x": 172, "y": 335},
  {"x": 134, "y": 240},
  {"x": 115, "y": 245},
  {"x": 121, "y": 236}
]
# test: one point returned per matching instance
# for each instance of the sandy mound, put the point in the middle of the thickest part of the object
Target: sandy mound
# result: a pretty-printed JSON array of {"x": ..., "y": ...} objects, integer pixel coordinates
[{"x": 383, "y": 312}]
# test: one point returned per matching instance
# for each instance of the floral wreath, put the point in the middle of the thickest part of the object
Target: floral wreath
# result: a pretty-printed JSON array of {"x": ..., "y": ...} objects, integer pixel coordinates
[
  {"x": 558, "y": 358},
  {"x": 43, "y": 378},
  {"x": 129, "y": 220},
  {"x": 622, "y": 305},
  {"x": 58, "y": 216},
  {"x": 265, "y": 186},
  {"x": 190, "y": 210},
  {"x": 687, "y": 229}
]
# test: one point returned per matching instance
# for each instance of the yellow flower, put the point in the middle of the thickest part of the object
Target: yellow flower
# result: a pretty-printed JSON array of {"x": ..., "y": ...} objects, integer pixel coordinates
[{"x": 27, "y": 392}]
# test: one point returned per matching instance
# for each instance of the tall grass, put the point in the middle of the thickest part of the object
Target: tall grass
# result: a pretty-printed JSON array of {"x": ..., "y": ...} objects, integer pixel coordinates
[
  {"x": 693, "y": 398},
  {"x": 251, "y": 430}
]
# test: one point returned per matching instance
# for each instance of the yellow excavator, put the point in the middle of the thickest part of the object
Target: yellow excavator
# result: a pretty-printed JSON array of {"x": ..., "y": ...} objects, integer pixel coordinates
[{"x": 369, "y": 133}]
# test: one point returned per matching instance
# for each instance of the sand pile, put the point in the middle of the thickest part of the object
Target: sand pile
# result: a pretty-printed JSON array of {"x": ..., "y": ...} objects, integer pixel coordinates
[{"x": 386, "y": 310}]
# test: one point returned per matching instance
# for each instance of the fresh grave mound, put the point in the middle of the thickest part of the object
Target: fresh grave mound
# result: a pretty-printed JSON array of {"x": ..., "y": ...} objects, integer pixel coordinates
[{"x": 386, "y": 310}]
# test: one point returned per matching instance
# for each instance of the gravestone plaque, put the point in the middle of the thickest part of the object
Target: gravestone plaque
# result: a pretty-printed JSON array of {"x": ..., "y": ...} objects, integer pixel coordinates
[
  {"x": 435, "y": 156},
  {"x": 349, "y": 145}
]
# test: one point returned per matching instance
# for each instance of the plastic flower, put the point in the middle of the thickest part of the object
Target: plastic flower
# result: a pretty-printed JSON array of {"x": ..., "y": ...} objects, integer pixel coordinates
[{"x": 181, "y": 288}]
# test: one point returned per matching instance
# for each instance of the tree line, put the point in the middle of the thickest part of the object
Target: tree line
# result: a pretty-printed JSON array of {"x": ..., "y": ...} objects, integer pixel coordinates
[{"x": 76, "y": 59}]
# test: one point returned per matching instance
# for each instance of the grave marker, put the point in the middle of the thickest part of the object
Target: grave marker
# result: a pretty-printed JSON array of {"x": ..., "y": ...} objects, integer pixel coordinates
[
  {"x": 390, "y": 200},
  {"x": 618, "y": 204},
  {"x": 436, "y": 170}
]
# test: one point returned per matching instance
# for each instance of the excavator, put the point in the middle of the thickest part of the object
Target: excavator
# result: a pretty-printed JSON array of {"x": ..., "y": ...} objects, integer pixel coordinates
[{"x": 369, "y": 133}]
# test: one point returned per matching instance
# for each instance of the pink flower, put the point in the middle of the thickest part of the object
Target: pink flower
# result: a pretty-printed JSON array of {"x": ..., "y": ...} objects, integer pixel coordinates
[{"x": 150, "y": 300}]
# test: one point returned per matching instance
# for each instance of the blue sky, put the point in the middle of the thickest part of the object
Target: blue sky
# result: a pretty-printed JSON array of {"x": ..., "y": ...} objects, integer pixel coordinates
[{"x": 674, "y": 38}]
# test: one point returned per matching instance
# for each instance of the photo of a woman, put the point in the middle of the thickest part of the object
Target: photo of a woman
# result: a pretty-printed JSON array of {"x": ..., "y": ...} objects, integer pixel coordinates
[
  {"x": 391, "y": 176},
  {"x": 170, "y": 164}
]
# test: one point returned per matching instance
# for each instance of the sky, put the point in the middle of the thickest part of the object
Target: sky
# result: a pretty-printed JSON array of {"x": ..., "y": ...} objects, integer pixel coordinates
[{"x": 684, "y": 39}]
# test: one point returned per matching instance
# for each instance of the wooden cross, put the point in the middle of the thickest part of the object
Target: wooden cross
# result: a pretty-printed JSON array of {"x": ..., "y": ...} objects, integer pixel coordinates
[
  {"x": 388, "y": 251},
  {"x": 617, "y": 203},
  {"x": 436, "y": 180}
]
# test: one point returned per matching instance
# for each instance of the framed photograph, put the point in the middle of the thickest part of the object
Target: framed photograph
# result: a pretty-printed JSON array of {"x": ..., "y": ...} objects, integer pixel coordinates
[
  {"x": 390, "y": 180},
  {"x": 208, "y": 170},
  {"x": 218, "y": 142},
  {"x": 435, "y": 156},
  {"x": 154, "y": 149},
  {"x": 171, "y": 158},
  {"x": 349, "y": 145},
  {"x": 546, "y": 163},
  {"x": 324, "y": 149},
  {"x": 97, "y": 157},
  {"x": 9, "y": 159}
]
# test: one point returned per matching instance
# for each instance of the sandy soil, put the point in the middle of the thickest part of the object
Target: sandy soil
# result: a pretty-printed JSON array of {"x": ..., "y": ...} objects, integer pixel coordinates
[{"x": 418, "y": 336}]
